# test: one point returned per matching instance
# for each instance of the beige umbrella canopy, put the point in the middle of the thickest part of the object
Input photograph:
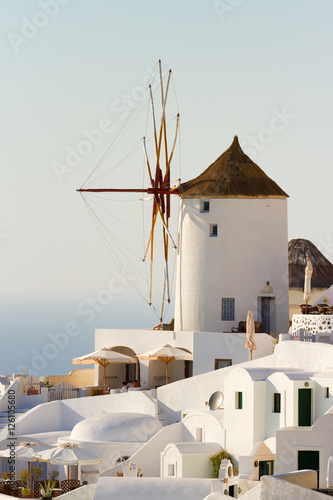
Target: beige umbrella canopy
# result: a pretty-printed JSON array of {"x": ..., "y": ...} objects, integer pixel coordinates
[
  {"x": 69, "y": 454},
  {"x": 103, "y": 357},
  {"x": 27, "y": 451},
  {"x": 250, "y": 330},
  {"x": 307, "y": 282},
  {"x": 167, "y": 353}
]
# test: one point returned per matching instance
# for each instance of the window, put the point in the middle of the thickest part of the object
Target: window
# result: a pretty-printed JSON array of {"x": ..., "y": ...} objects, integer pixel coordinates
[
  {"x": 198, "y": 434},
  {"x": 204, "y": 206},
  {"x": 276, "y": 402},
  {"x": 222, "y": 363},
  {"x": 326, "y": 392},
  {"x": 238, "y": 400},
  {"x": 213, "y": 230},
  {"x": 228, "y": 309}
]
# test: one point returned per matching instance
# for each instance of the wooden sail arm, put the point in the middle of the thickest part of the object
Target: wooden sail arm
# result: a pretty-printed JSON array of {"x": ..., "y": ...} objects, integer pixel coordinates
[
  {"x": 154, "y": 122},
  {"x": 151, "y": 190},
  {"x": 163, "y": 117},
  {"x": 173, "y": 149}
]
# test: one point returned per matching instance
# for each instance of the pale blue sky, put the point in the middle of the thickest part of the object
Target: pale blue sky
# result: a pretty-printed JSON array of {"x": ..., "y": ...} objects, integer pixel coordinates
[{"x": 238, "y": 66}]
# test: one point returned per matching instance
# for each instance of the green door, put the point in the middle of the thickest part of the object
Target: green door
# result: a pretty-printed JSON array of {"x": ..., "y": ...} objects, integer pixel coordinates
[
  {"x": 304, "y": 407},
  {"x": 309, "y": 459},
  {"x": 265, "y": 468}
]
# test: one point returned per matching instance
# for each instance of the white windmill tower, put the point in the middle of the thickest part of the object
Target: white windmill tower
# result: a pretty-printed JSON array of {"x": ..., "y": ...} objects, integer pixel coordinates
[{"x": 233, "y": 248}]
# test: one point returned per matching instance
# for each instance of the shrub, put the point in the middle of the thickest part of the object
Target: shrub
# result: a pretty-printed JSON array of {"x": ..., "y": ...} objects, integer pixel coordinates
[{"x": 217, "y": 459}]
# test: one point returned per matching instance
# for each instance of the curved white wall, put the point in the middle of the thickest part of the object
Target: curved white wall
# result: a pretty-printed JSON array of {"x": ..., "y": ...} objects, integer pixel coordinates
[{"x": 251, "y": 248}]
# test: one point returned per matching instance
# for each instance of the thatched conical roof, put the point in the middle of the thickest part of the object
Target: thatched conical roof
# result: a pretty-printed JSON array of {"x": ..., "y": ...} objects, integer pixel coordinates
[
  {"x": 232, "y": 175},
  {"x": 299, "y": 252}
]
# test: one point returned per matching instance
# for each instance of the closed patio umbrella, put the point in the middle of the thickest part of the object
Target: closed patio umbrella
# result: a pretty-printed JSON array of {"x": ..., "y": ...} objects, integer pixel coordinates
[
  {"x": 167, "y": 353},
  {"x": 69, "y": 454},
  {"x": 307, "y": 283},
  {"x": 250, "y": 330},
  {"x": 103, "y": 357}
]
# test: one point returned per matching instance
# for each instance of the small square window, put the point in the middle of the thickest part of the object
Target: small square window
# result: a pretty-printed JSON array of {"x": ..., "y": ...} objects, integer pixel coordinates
[
  {"x": 276, "y": 402},
  {"x": 204, "y": 206},
  {"x": 213, "y": 230},
  {"x": 222, "y": 363},
  {"x": 238, "y": 400},
  {"x": 228, "y": 309},
  {"x": 326, "y": 392}
]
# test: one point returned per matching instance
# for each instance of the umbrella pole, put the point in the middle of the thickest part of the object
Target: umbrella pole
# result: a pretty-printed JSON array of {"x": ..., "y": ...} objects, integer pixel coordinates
[
  {"x": 68, "y": 478},
  {"x": 29, "y": 482},
  {"x": 167, "y": 372},
  {"x": 104, "y": 378}
]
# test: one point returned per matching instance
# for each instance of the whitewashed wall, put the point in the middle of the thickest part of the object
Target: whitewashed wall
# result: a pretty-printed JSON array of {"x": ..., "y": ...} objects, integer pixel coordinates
[{"x": 251, "y": 248}]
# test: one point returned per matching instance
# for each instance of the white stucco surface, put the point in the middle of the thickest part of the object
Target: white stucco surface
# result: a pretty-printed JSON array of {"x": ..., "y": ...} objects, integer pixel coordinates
[
  {"x": 153, "y": 488},
  {"x": 273, "y": 488},
  {"x": 249, "y": 250},
  {"x": 115, "y": 427}
]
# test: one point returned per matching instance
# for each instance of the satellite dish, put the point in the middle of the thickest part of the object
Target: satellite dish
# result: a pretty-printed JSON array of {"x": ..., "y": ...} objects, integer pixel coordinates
[{"x": 215, "y": 401}]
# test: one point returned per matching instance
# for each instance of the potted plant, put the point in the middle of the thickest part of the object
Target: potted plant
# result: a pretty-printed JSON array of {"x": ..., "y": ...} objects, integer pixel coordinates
[
  {"x": 47, "y": 489},
  {"x": 26, "y": 492}
]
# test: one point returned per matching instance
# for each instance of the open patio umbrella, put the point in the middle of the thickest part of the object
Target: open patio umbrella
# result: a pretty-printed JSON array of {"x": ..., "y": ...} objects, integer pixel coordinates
[
  {"x": 250, "y": 330},
  {"x": 167, "y": 353},
  {"x": 307, "y": 283},
  {"x": 69, "y": 454},
  {"x": 103, "y": 357},
  {"x": 27, "y": 451}
]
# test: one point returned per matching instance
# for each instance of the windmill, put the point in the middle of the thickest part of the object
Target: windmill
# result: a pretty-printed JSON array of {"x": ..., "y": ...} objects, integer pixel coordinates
[{"x": 159, "y": 188}]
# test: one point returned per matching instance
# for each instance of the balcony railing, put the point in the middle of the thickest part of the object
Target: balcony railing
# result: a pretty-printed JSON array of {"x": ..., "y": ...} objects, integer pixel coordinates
[{"x": 312, "y": 327}]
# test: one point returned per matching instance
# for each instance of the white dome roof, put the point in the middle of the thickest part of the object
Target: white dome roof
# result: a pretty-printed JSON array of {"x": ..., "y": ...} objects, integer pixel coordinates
[{"x": 116, "y": 427}]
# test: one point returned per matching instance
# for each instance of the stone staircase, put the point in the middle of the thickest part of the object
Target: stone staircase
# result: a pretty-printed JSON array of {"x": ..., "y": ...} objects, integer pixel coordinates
[{"x": 162, "y": 416}]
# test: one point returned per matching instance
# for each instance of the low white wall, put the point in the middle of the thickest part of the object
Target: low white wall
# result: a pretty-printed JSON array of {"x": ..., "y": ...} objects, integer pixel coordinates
[
  {"x": 304, "y": 478},
  {"x": 253, "y": 494},
  {"x": 63, "y": 415},
  {"x": 309, "y": 356},
  {"x": 147, "y": 458},
  {"x": 109, "y": 488},
  {"x": 273, "y": 488}
]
